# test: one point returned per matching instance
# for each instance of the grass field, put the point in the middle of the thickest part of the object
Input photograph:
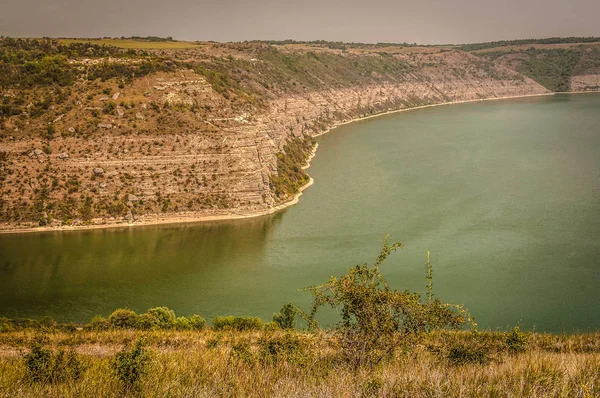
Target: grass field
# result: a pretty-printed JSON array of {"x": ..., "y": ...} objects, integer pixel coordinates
[
  {"x": 135, "y": 44},
  {"x": 283, "y": 364}
]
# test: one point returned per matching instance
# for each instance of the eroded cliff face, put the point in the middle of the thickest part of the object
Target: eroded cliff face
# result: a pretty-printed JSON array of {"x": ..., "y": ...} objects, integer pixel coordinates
[
  {"x": 179, "y": 145},
  {"x": 586, "y": 82}
]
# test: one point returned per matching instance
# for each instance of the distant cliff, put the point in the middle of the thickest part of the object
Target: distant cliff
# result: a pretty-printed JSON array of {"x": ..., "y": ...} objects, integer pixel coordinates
[{"x": 559, "y": 65}]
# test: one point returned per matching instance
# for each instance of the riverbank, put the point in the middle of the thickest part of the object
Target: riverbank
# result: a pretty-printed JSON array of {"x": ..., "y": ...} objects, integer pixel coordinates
[
  {"x": 194, "y": 217},
  {"x": 160, "y": 220},
  {"x": 170, "y": 219},
  {"x": 579, "y": 92}
]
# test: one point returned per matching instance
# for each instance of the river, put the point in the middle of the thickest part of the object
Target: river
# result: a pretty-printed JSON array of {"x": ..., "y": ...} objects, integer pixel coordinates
[{"x": 505, "y": 195}]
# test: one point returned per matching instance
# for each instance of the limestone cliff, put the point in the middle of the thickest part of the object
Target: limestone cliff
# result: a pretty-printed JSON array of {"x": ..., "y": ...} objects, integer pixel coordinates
[{"x": 200, "y": 134}]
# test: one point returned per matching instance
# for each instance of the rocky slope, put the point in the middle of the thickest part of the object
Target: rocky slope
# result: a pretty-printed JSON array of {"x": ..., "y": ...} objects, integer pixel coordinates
[
  {"x": 559, "y": 67},
  {"x": 188, "y": 134}
]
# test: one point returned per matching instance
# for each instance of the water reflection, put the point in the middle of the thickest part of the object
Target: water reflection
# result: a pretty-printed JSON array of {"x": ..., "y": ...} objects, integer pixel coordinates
[{"x": 76, "y": 271}]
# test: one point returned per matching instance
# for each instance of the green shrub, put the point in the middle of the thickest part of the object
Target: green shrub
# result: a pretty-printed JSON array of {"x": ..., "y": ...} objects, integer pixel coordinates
[
  {"x": 131, "y": 364},
  {"x": 123, "y": 318},
  {"x": 66, "y": 366},
  {"x": 165, "y": 317},
  {"x": 47, "y": 322},
  {"x": 5, "y": 326},
  {"x": 196, "y": 322},
  {"x": 50, "y": 131},
  {"x": 290, "y": 177},
  {"x": 108, "y": 108},
  {"x": 240, "y": 351},
  {"x": 516, "y": 341},
  {"x": 182, "y": 323},
  {"x": 39, "y": 360},
  {"x": 223, "y": 323},
  {"x": 43, "y": 365},
  {"x": 155, "y": 318},
  {"x": 146, "y": 322},
  {"x": 237, "y": 323},
  {"x": 99, "y": 323},
  {"x": 247, "y": 323},
  {"x": 375, "y": 318},
  {"x": 286, "y": 347},
  {"x": 286, "y": 317}
]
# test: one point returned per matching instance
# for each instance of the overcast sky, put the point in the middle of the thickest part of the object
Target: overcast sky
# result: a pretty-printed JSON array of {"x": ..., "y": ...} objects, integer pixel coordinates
[{"x": 421, "y": 21}]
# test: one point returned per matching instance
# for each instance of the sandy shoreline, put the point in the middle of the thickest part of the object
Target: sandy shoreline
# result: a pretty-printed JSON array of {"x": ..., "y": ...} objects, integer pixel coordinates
[
  {"x": 578, "y": 92},
  {"x": 157, "y": 220},
  {"x": 181, "y": 218}
]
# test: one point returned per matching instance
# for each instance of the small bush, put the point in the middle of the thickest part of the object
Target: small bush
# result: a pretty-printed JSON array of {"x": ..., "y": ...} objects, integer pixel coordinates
[
  {"x": 516, "y": 341},
  {"x": 286, "y": 347},
  {"x": 196, "y": 322},
  {"x": 271, "y": 326},
  {"x": 241, "y": 352},
  {"x": 47, "y": 322},
  {"x": 50, "y": 131},
  {"x": 375, "y": 319},
  {"x": 66, "y": 366},
  {"x": 182, "y": 323},
  {"x": 123, "y": 318},
  {"x": 165, "y": 317},
  {"x": 99, "y": 323},
  {"x": 109, "y": 108},
  {"x": 286, "y": 317},
  {"x": 223, "y": 323},
  {"x": 237, "y": 323},
  {"x": 38, "y": 361},
  {"x": 130, "y": 365},
  {"x": 5, "y": 326},
  {"x": 43, "y": 365},
  {"x": 146, "y": 322}
]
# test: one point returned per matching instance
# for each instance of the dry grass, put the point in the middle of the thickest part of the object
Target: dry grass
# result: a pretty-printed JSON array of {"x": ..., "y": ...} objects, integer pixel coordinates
[{"x": 183, "y": 364}]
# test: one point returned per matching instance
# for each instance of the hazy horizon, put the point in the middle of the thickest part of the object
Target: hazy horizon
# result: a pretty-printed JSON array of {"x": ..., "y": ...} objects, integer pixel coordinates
[
  {"x": 281, "y": 40},
  {"x": 428, "y": 22}
]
